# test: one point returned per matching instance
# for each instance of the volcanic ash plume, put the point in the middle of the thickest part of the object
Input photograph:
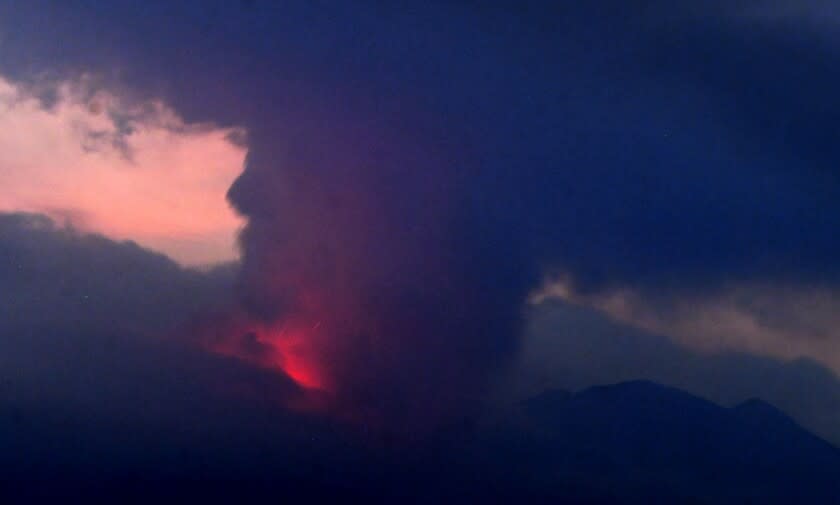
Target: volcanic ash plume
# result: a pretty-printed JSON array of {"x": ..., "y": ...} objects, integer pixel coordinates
[{"x": 367, "y": 276}]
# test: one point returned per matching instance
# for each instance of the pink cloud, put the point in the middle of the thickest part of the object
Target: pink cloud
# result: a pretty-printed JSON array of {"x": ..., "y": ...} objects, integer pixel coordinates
[{"x": 129, "y": 170}]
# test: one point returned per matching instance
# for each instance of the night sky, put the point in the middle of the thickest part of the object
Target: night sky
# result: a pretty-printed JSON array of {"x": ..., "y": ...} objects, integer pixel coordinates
[{"x": 254, "y": 226}]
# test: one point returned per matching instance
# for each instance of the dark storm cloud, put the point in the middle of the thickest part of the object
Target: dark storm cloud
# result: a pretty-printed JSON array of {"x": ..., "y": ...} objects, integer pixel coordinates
[
  {"x": 433, "y": 161},
  {"x": 56, "y": 277},
  {"x": 682, "y": 134}
]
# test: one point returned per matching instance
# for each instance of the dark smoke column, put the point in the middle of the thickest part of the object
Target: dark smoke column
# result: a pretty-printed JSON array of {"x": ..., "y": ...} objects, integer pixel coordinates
[{"x": 367, "y": 239}]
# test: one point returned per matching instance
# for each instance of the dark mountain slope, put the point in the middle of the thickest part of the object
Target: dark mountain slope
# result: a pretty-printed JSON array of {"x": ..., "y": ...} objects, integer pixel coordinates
[
  {"x": 639, "y": 440},
  {"x": 635, "y": 442}
]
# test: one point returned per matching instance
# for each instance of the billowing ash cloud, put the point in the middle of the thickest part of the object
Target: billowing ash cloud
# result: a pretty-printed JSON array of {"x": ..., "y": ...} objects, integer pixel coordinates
[
  {"x": 396, "y": 232},
  {"x": 366, "y": 268},
  {"x": 411, "y": 174}
]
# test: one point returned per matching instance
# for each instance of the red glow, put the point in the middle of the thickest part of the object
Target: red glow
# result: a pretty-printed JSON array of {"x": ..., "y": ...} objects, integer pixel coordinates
[
  {"x": 296, "y": 357},
  {"x": 289, "y": 347}
]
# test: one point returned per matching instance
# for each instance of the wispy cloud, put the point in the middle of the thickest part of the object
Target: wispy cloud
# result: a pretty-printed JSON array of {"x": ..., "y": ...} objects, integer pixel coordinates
[{"x": 783, "y": 320}]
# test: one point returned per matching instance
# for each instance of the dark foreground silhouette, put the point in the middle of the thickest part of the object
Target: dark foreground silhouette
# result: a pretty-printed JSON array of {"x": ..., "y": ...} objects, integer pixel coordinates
[{"x": 635, "y": 442}]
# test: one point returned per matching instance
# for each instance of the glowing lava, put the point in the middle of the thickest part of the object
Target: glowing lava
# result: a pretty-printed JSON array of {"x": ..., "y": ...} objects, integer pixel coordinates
[
  {"x": 295, "y": 355},
  {"x": 289, "y": 347}
]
